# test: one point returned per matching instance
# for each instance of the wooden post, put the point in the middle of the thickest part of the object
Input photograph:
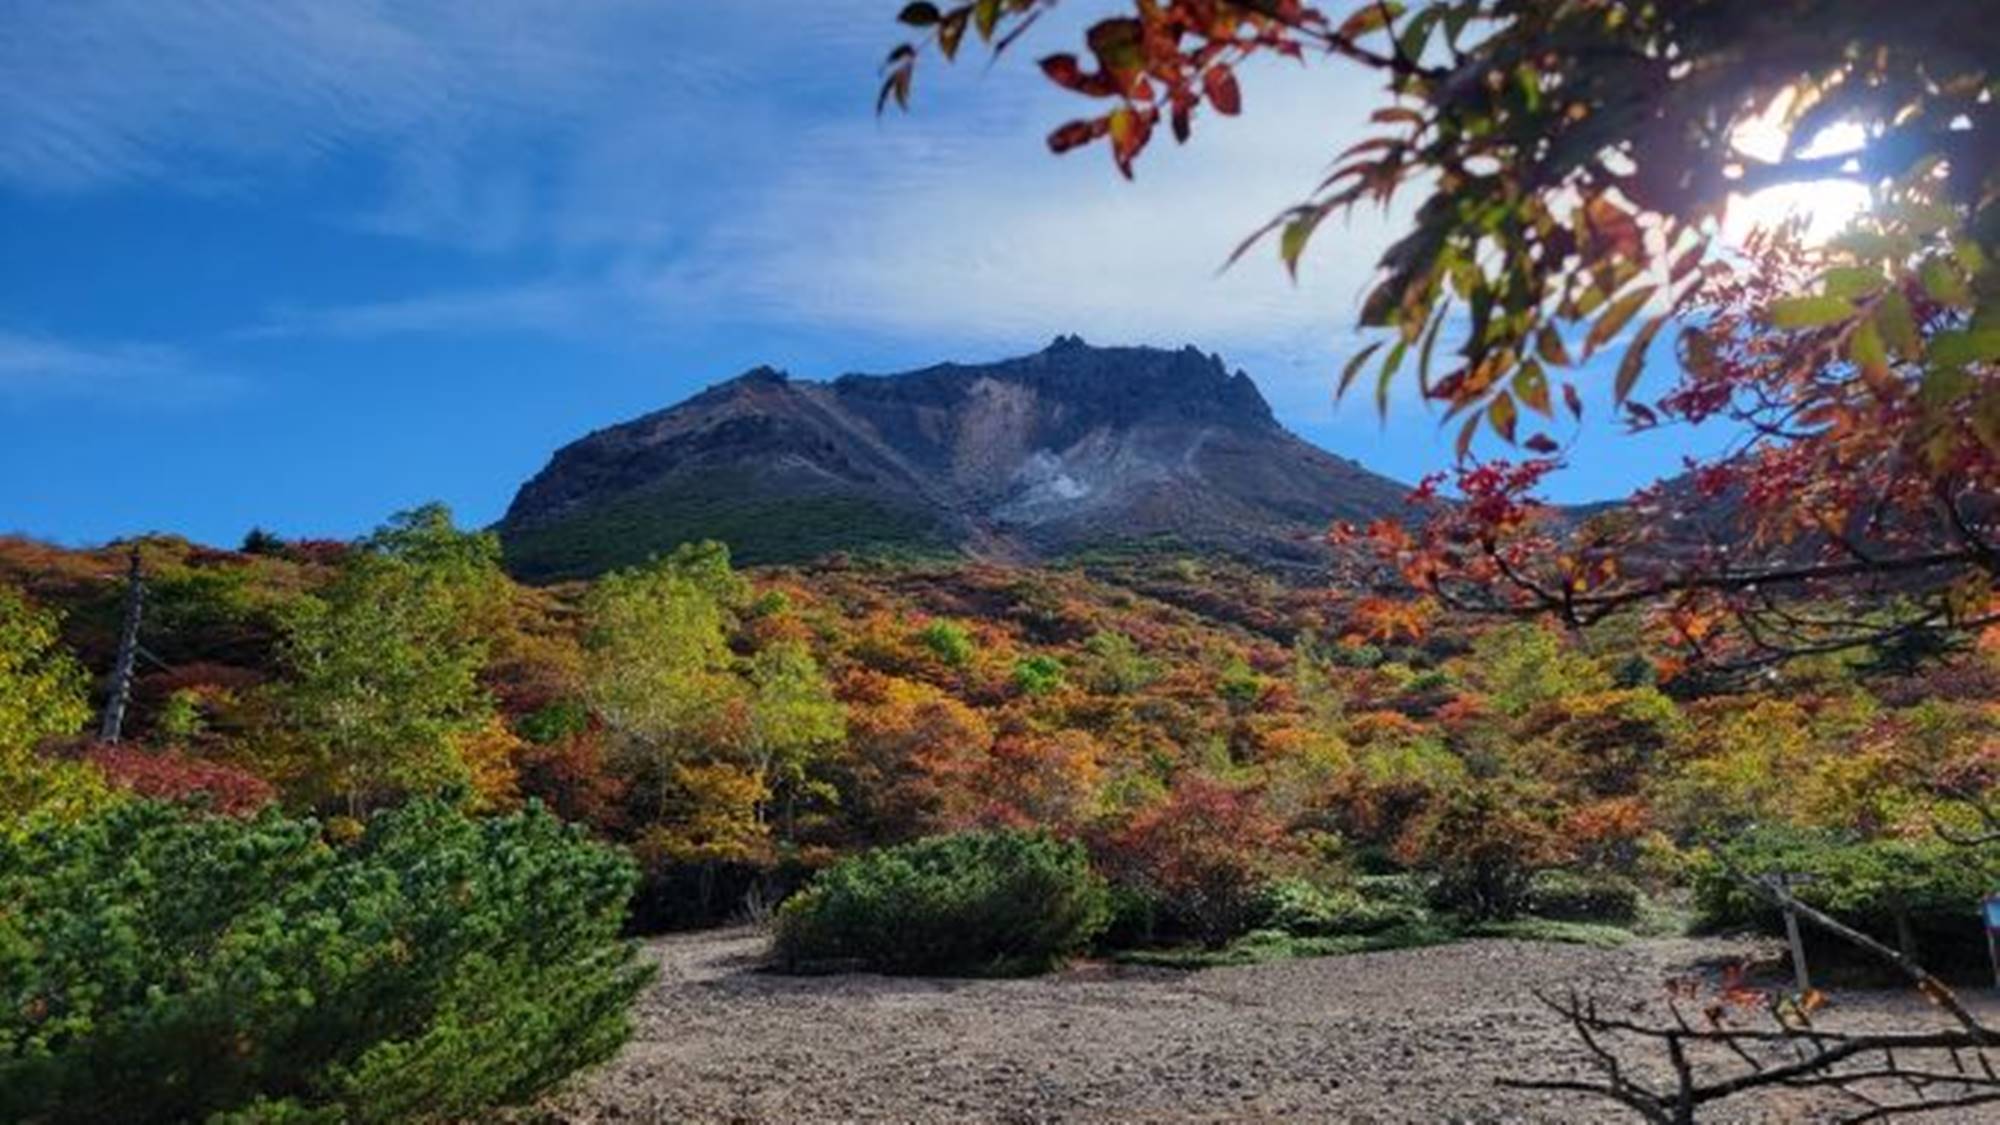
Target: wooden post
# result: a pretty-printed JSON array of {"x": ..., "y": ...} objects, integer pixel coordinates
[
  {"x": 1783, "y": 881},
  {"x": 1798, "y": 950},
  {"x": 113, "y": 723}
]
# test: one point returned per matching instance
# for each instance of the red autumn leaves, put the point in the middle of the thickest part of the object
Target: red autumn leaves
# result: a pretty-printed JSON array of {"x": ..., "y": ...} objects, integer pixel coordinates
[
  {"x": 1169, "y": 59},
  {"x": 1160, "y": 64}
]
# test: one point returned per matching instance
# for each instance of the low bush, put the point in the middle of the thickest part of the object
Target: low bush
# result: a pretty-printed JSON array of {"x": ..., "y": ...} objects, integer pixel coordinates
[
  {"x": 1570, "y": 896},
  {"x": 1133, "y": 918},
  {"x": 1594, "y": 934},
  {"x": 1485, "y": 846},
  {"x": 1922, "y": 893},
  {"x": 175, "y": 776},
  {"x": 1304, "y": 909},
  {"x": 948, "y": 641},
  {"x": 1200, "y": 858},
  {"x": 1403, "y": 886},
  {"x": 1260, "y": 946},
  {"x": 1038, "y": 675},
  {"x": 161, "y": 966},
  {"x": 976, "y": 903}
]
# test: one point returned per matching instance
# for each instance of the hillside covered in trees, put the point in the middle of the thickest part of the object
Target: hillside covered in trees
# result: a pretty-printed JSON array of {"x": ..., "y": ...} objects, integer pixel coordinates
[
  {"x": 1210, "y": 732},
  {"x": 1075, "y": 664}
]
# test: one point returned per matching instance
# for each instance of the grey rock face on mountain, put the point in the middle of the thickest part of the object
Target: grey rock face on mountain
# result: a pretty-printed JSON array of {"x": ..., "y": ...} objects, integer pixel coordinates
[{"x": 1072, "y": 447}]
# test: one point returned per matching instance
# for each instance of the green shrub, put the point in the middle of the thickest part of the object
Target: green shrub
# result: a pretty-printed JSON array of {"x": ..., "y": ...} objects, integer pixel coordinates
[
  {"x": 1847, "y": 878},
  {"x": 1304, "y": 909},
  {"x": 161, "y": 966},
  {"x": 548, "y": 725},
  {"x": 1038, "y": 675},
  {"x": 1260, "y": 946},
  {"x": 1239, "y": 685},
  {"x": 949, "y": 642},
  {"x": 1134, "y": 918},
  {"x": 973, "y": 903},
  {"x": 1593, "y": 934},
  {"x": 1569, "y": 896},
  {"x": 1116, "y": 666},
  {"x": 1354, "y": 656},
  {"x": 1429, "y": 683},
  {"x": 1485, "y": 845},
  {"x": 1403, "y": 886},
  {"x": 1926, "y": 891}
]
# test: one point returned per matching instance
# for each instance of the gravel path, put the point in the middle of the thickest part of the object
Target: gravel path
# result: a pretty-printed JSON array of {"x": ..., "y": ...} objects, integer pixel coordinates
[{"x": 1416, "y": 1035}]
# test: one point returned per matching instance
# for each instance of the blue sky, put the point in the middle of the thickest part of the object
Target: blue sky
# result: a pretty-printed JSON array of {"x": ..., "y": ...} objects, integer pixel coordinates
[{"x": 300, "y": 264}]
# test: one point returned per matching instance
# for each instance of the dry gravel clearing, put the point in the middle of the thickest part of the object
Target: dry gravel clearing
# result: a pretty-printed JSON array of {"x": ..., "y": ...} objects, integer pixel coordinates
[{"x": 1416, "y": 1035}]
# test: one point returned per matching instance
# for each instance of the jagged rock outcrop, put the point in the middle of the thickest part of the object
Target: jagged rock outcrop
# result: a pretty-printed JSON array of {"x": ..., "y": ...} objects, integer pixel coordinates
[{"x": 1071, "y": 447}]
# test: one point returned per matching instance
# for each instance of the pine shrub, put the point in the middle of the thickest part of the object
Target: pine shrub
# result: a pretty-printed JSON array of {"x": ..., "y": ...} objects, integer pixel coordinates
[
  {"x": 977, "y": 903},
  {"x": 1303, "y": 909},
  {"x": 1571, "y": 896},
  {"x": 162, "y": 966}
]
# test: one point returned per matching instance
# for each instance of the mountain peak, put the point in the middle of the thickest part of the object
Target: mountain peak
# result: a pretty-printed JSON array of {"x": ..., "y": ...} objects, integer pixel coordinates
[
  {"x": 763, "y": 375},
  {"x": 1069, "y": 447}
]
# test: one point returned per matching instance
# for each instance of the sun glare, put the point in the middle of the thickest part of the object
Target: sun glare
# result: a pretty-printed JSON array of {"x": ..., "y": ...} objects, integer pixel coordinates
[{"x": 1825, "y": 206}]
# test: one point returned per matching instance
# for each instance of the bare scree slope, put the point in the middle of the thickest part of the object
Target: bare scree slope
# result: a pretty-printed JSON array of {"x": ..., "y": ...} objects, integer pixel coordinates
[{"x": 1069, "y": 448}]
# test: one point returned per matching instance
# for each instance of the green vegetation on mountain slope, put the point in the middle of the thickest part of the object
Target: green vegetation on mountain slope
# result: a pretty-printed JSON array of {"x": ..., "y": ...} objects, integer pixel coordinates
[{"x": 1246, "y": 770}]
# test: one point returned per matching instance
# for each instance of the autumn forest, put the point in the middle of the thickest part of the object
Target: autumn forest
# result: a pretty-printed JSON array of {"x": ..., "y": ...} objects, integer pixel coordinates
[{"x": 1065, "y": 738}]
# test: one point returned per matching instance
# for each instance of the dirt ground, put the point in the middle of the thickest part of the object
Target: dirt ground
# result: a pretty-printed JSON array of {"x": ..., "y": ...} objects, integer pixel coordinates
[{"x": 1416, "y": 1035}]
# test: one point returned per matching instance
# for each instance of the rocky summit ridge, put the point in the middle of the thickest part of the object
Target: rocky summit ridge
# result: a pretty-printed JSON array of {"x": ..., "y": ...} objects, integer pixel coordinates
[{"x": 1070, "y": 448}]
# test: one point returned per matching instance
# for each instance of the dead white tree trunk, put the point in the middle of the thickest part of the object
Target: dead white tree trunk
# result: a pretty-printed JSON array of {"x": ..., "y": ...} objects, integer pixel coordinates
[{"x": 113, "y": 722}]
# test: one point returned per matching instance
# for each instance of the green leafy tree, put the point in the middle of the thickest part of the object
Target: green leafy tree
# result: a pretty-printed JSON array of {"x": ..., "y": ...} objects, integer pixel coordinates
[
  {"x": 1313, "y": 680},
  {"x": 384, "y": 676},
  {"x": 1239, "y": 685},
  {"x": 258, "y": 541},
  {"x": 42, "y": 696},
  {"x": 657, "y": 664},
  {"x": 1525, "y": 666},
  {"x": 794, "y": 722},
  {"x": 465, "y": 564},
  {"x": 181, "y": 720},
  {"x": 42, "y": 688}
]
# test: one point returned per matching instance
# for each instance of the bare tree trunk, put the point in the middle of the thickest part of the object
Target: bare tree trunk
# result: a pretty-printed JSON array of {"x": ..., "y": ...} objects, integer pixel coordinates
[{"x": 112, "y": 725}]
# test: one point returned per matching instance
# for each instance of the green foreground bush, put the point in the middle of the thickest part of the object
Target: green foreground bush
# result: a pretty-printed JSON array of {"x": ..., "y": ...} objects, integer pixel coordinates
[
  {"x": 162, "y": 966},
  {"x": 1303, "y": 909},
  {"x": 978, "y": 903},
  {"x": 1570, "y": 896},
  {"x": 1923, "y": 893}
]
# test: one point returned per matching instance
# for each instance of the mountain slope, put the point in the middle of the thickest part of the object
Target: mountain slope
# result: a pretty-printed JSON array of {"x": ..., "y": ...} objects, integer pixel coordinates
[{"x": 1069, "y": 448}]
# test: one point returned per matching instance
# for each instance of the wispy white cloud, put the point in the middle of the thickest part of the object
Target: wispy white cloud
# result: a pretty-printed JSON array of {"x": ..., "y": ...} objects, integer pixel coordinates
[
  {"x": 108, "y": 91},
  {"x": 629, "y": 163},
  {"x": 997, "y": 238},
  {"x": 534, "y": 308},
  {"x": 919, "y": 227},
  {"x": 139, "y": 373}
]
